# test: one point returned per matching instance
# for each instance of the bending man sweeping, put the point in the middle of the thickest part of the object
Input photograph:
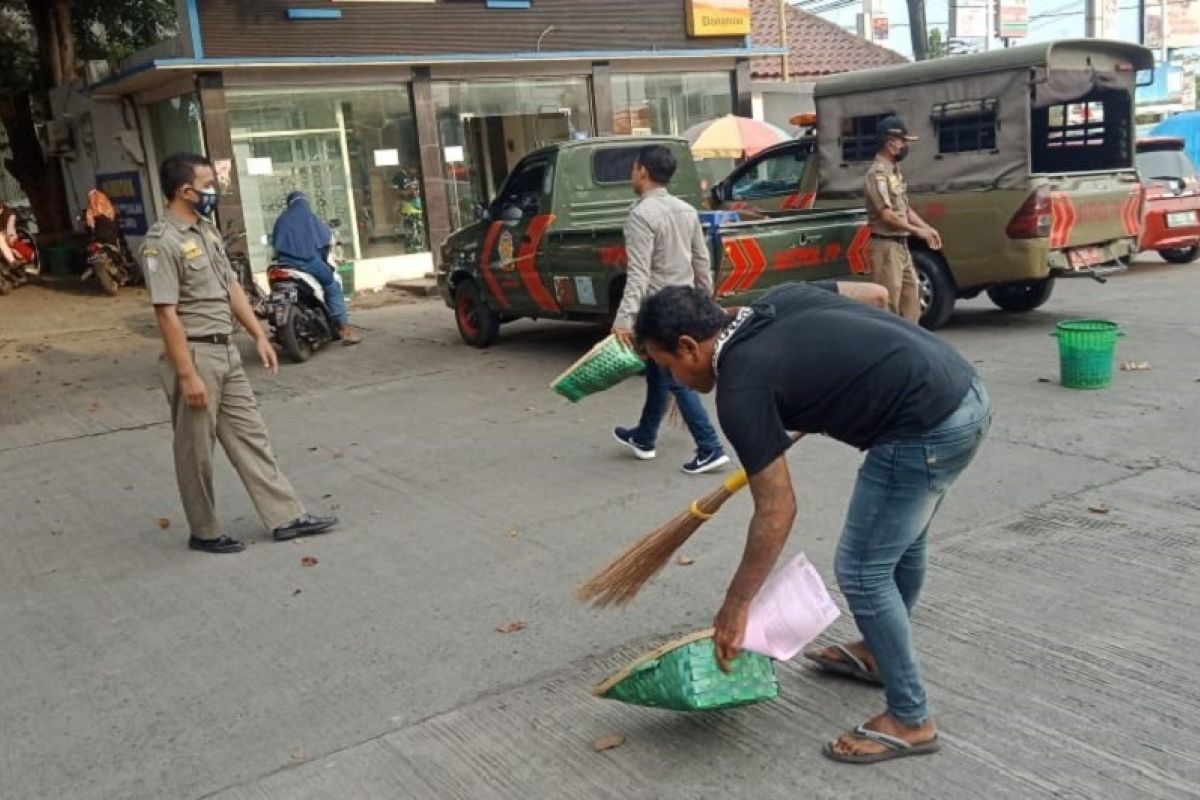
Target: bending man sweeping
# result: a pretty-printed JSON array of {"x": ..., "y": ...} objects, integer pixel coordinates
[{"x": 808, "y": 357}]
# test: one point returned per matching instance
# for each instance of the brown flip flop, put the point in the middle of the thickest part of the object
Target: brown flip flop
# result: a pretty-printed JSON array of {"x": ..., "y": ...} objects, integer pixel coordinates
[{"x": 896, "y": 748}]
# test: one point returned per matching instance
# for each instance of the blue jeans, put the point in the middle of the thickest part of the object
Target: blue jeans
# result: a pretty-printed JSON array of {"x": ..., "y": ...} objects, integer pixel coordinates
[
  {"x": 659, "y": 385},
  {"x": 335, "y": 300},
  {"x": 880, "y": 562}
]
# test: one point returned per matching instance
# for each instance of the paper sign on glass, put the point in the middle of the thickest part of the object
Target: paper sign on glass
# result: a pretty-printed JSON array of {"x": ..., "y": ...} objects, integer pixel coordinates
[
  {"x": 791, "y": 610},
  {"x": 259, "y": 166},
  {"x": 455, "y": 154},
  {"x": 387, "y": 158}
]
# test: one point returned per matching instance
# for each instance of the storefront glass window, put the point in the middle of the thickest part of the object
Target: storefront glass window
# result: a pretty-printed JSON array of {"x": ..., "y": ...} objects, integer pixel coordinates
[
  {"x": 669, "y": 104},
  {"x": 177, "y": 126},
  {"x": 487, "y": 126},
  {"x": 353, "y": 151}
]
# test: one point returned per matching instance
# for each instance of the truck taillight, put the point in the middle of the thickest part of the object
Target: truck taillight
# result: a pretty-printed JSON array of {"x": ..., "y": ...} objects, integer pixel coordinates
[{"x": 1033, "y": 219}]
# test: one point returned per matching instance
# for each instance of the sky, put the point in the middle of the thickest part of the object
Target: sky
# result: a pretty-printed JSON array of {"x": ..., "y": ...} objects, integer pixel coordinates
[{"x": 1048, "y": 19}]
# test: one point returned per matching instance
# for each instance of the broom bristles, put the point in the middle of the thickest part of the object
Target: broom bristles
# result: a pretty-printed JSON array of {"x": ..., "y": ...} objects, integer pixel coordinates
[{"x": 621, "y": 580}]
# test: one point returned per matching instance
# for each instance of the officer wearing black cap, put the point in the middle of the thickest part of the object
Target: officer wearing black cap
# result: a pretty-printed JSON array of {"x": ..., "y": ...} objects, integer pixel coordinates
[{"x": 892, "y": 221}]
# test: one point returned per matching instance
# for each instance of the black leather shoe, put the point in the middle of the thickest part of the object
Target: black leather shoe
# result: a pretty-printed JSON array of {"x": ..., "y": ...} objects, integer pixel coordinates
[
  {"x": 222, "y": 545},
  {"x": 304, "y": 525}
]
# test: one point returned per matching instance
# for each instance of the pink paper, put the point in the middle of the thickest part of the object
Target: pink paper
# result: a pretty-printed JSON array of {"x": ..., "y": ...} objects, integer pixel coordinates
[{"x": 791, "y": 610}]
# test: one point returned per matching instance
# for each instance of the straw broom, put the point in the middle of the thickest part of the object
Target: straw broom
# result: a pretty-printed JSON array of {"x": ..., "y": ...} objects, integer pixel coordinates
[{"x": 620, "y": 581}]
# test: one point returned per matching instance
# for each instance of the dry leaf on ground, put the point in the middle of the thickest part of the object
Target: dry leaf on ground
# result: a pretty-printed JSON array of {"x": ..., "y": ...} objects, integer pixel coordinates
[
  {"x": 1135, "y": 366},
  {"x": 511, "y": 627},
  {"x": 608, "y": 742},
  {"x": 513, "y": 533},
  {"x": 164, "y": 523},
  {"x": 308, "y": 561},
  {"x": 685, "y": 561},
  {"x": 1099, "y": 508}
]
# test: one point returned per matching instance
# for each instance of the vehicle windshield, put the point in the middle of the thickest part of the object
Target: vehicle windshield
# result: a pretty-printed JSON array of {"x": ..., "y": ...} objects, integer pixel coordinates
[{"x": 1169, "y": 164}]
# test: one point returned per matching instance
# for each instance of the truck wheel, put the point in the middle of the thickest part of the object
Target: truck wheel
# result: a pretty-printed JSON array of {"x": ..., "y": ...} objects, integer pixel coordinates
[
  {"x": 1181, "y": 255},
  {"x": 936, "y": 289},
  {"x": 1023, "y": 296},
  {"x": 478, "y": 324}
]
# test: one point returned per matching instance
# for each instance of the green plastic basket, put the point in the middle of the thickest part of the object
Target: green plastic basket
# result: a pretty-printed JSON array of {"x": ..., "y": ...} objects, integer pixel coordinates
[
  {"x": 602, "y": 367},
  {"x": 1086, "y": 348},
  {"x": 683, "y": 676}
]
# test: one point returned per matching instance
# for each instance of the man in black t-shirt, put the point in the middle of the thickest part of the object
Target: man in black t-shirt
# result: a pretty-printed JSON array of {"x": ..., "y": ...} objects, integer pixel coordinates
[{"x": 817, "y": 358}]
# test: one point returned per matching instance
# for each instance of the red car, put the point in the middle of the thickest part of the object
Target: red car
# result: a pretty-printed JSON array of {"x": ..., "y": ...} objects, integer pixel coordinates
[{"x": 1171, "y": 194}]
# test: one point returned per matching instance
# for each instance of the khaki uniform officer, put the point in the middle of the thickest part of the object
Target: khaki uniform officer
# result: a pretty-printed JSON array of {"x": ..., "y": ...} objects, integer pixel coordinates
[
  {"x": 197, "y": 298},
  {"x": 893, "y": 221}
]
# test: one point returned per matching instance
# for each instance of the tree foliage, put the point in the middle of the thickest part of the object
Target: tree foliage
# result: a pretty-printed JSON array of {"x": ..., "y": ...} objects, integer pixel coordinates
[{"x": 43, "y": 44}]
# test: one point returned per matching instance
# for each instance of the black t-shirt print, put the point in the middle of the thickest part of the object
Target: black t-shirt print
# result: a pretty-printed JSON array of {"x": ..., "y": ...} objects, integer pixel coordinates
[{"x": 811, "y": 360}]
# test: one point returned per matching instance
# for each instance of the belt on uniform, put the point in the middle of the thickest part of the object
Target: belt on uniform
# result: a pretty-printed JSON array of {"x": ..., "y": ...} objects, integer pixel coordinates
[
  {"x": 212, "y": 338},
  {"x": 885, "y": 237}
]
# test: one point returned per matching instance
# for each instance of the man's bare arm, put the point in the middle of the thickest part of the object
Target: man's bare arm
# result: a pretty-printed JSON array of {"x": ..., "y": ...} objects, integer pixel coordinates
[
  {"x": 774, "y": 513},
  {"x": 870, "y": 293}
]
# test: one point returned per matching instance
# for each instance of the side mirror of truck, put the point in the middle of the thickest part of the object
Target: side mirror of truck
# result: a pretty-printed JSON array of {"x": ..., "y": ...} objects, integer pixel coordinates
[
  {"x": 718, "y": 195},
  {"x": 481, "y": 213},
  {"x": 510, "y": 215}
]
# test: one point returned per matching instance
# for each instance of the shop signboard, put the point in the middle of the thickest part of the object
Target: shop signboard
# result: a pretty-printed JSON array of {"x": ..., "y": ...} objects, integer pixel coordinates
[
  {"x": 1012, "y": 19},
  {"x": 125, "y": 190},
  {"x": 879, "y": 28},
  {"x": 968, "y": 20},
  {"x": 1182, "y": 23},
  {"x": 718, "y": 18}
]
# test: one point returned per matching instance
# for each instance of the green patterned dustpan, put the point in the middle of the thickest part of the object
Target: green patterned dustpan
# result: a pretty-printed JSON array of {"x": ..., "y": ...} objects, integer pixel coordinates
[
  {"x": 602, "y": 367},
  {"x": 683, "y": 675}
]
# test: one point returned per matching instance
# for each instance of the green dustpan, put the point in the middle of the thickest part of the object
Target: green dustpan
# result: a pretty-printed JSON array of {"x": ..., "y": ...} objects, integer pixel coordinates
[
  {"x": 602, "y": 367},
  {"x": 683, "y": 676}
]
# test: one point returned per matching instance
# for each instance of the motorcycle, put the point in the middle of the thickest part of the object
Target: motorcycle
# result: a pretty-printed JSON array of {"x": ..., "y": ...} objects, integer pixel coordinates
[
  {"x": 299, "y": 318},
  {"x": 239, "y": 259},
  {"x": 109, "y": 263},
  {"x": 28, "y": 264},
  {"x": 411, "y": 212}
]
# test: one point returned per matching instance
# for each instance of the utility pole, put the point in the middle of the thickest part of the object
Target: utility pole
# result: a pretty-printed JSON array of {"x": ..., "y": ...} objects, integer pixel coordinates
[
  {"x": 918, "y": 29},
  {"x": 990, "y": 17},
  {"x": 1141, "y": 9},
  {"x": 783, "y": 37}
]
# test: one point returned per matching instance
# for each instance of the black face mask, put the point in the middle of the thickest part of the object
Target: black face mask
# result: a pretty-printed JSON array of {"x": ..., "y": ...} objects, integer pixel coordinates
[{"x": 902, "y": 153}]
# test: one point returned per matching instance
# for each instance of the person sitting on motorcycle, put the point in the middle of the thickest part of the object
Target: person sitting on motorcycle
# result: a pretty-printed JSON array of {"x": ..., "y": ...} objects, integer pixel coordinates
[
  {"x": 102, "y": 222},
  {"x": 302, "y": 241}
]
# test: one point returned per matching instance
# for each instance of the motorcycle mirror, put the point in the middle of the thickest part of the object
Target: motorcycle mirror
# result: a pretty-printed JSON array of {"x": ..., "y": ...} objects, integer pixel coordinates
[
  {"x": 481, "y": 213},
  {"x": 335, "y": 223},
  {"x": 511, "y": 215}
]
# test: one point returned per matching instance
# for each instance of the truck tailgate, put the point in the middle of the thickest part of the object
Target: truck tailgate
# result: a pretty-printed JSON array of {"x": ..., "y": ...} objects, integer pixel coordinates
[
  {"x": 1093, "y": 209},
  {"x": 808, "y": 245}
]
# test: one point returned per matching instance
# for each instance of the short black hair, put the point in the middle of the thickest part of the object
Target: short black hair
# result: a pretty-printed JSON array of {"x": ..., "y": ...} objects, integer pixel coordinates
[
  {"x": 679, "y": 311},
  {"x": 659, "y": 161},
  {"x": 178, "y": 170}
]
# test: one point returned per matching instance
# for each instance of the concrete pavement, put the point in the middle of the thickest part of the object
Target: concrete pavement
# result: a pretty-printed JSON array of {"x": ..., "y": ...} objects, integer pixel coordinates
[{"x": 1058, "y": 642}]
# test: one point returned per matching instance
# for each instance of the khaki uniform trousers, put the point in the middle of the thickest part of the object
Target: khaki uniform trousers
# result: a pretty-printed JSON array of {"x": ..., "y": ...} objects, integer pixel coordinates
[
  {"x": 231, "y": 416},
  {"x": 892, "y": 268}
]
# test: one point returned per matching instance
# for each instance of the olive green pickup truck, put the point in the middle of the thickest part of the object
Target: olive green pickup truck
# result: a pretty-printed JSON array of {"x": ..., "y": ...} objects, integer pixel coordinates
[{"x": 551, "y": 244}]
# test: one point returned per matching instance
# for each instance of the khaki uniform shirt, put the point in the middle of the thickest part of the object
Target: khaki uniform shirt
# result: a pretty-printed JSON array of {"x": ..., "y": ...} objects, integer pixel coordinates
[
  {"x": 886, "y": 188},
  {"x": 665, "y": 246},
  {"x": 185, "y": 266}
]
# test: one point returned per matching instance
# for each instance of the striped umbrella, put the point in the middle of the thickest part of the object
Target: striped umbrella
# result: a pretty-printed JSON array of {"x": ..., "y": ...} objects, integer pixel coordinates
[{"x": 732, "y": 137}]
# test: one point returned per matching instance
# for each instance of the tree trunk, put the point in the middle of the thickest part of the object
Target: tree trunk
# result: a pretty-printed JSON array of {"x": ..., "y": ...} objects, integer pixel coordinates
[
  {"x": 918, "y": 29},
  {"x": 65, "y": 36},
  {"x": 40, "y": 178}
]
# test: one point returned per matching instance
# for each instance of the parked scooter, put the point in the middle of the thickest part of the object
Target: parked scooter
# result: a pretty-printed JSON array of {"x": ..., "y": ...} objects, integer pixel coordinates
[
  {"x": 299, "y": 318},
  {"x": 108, "y": 261},
  {"x": 240, "y": 261},
  {"x": 29, "y": 259}
]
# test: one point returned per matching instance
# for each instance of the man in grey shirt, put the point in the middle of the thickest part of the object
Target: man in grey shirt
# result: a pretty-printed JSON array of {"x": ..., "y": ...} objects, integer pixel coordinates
[{"x": 665, "y": 246}]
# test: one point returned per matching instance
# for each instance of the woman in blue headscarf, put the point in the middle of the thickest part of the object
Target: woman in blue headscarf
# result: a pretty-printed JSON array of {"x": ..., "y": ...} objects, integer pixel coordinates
[{"x": 301, "y": 241}]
